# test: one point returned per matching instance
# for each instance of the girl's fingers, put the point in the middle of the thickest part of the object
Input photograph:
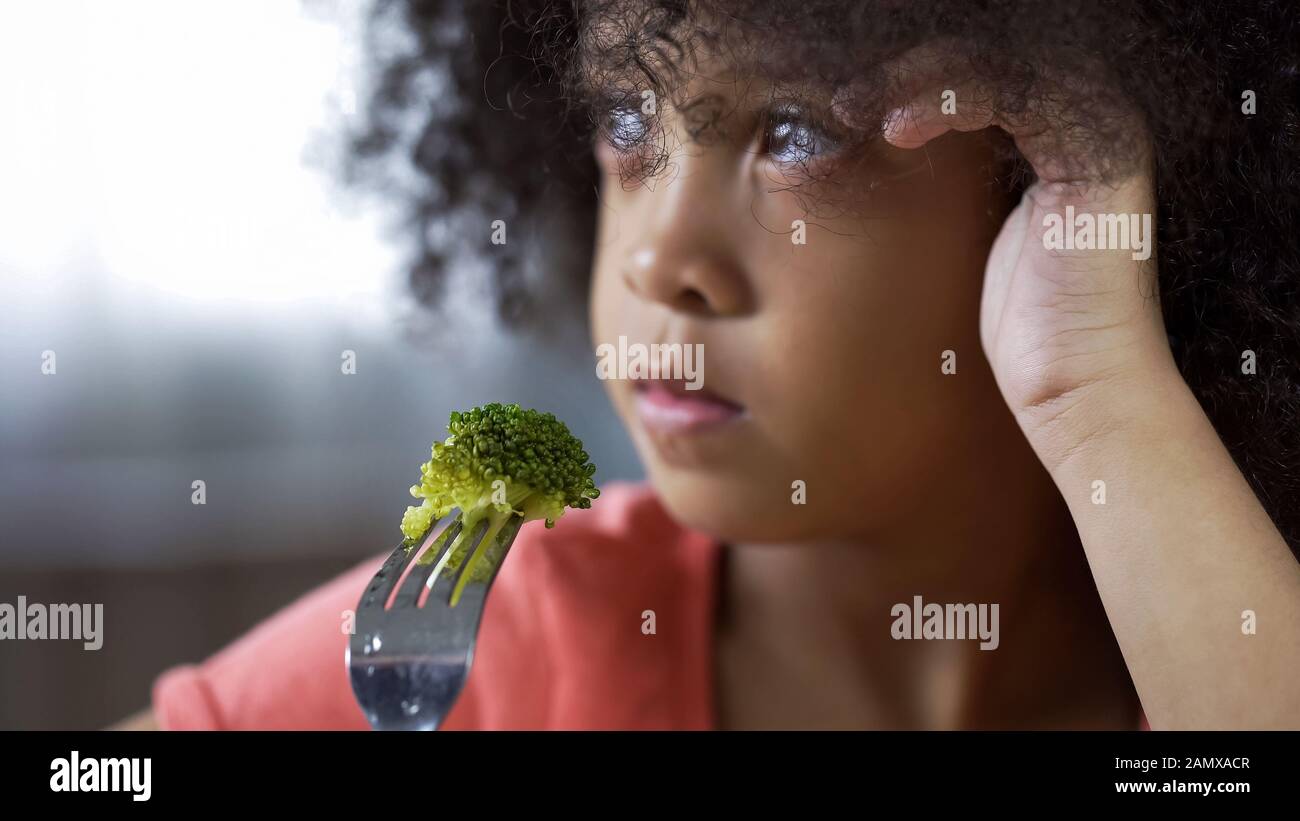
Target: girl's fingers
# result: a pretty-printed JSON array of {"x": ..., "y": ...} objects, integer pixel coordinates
[
  {"x": 933, "y": 113},
  {"x": 933, "y": 90}
]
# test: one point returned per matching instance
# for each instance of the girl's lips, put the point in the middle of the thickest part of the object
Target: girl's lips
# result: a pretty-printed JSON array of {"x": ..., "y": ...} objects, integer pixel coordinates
[{"x": 666, "y": 406}]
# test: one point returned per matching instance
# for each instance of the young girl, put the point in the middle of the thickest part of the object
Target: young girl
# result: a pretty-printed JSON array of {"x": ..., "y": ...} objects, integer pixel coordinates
[{"x": 997, "y": 305}]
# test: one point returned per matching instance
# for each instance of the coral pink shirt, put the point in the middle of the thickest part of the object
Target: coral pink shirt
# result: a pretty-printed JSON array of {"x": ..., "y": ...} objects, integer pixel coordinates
[{"x": 561, "y": 644}]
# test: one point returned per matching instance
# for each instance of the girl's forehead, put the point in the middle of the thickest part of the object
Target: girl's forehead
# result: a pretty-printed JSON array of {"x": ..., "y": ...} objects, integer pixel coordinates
[
  {"x": 723, "y": 85},
  {"x": 692, "y": 63}
]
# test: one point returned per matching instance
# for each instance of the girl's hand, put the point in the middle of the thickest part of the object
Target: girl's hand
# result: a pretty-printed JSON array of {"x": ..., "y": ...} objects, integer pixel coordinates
[
  {"x": 1058, "y": 326},
  {"x": 1184, "y": 555}
]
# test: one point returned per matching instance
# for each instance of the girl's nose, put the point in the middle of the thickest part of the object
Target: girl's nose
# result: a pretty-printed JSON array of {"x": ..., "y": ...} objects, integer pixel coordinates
[{"x": 688, "y": 256}]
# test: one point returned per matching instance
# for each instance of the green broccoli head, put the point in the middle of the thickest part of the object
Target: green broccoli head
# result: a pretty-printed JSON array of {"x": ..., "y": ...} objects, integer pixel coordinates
[{"x": 502, "y": 460}]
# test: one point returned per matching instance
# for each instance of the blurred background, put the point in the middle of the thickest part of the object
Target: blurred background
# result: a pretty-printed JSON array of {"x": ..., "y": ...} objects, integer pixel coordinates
[{"x": 171, "y": 231}]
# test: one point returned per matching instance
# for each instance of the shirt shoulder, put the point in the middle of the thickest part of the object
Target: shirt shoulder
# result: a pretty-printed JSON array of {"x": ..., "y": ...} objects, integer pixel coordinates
[
  {"x": 287, "y": 673},
  {"x": 563, "y": 640}
]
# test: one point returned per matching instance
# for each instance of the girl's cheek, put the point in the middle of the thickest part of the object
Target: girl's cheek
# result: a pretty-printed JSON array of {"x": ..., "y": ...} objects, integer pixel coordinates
[
  {"x": 606, "y": 158},
  {"x": 607, "y": 301},
  {"x": 602, "y": 261},
  {"x": 598, "y": 302}
]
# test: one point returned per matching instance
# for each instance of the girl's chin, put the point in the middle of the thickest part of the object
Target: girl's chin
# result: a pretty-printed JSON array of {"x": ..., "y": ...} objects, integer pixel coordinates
[{"x": 728, "y": 509}]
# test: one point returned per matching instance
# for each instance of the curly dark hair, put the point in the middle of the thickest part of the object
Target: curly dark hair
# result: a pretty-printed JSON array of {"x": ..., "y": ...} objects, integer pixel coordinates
[{"x": 493, "y": 105}]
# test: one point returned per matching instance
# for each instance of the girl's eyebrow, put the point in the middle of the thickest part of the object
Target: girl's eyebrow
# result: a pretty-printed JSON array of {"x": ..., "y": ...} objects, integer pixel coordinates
[{"x": 810, "y": 99}]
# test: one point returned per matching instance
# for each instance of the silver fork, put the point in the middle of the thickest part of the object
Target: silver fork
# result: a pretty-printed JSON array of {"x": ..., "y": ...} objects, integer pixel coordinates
[{"x": 409, "y": 663}]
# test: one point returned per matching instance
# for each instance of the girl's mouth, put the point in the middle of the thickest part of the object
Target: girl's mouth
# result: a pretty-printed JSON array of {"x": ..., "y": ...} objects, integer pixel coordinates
[{"x": 668, "y": 406}]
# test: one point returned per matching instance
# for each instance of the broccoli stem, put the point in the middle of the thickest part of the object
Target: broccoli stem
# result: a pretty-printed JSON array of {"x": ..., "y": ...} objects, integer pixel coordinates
[{"x": 496, "y": 521}]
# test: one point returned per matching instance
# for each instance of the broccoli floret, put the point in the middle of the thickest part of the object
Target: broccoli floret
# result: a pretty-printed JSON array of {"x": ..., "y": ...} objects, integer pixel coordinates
[{"x": 500, "y": 463}]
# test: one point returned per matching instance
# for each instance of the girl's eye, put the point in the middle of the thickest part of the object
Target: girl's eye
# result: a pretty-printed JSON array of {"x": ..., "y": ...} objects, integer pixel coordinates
[
  {"x": 790, "y": 136},
  {"x": 627, "y": 128},
  {"x": 791, "y": 139}
]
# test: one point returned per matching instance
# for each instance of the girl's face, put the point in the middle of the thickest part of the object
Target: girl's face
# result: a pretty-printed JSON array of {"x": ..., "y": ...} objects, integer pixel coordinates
[{"x": 821, "y": 359}]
